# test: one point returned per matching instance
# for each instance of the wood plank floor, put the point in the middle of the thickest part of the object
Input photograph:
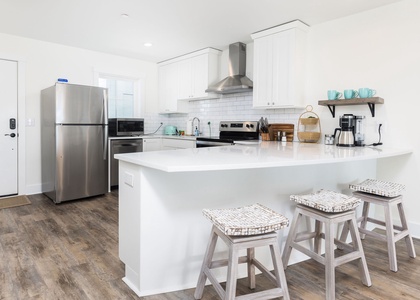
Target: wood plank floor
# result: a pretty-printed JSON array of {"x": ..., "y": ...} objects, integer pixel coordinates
[{"x": 70, "y": 251}]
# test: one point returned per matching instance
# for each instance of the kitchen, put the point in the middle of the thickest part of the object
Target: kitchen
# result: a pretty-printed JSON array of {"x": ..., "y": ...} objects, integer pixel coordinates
[{"x": 343, "y": 53}]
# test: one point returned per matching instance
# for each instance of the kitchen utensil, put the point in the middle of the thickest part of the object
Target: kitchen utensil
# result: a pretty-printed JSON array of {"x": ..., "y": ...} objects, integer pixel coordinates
[{"x": 263, "y": 125}]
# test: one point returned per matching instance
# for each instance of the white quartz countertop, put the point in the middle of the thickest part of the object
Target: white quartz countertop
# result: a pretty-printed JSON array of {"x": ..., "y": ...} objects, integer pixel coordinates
[{"x": 263, "y": 155}]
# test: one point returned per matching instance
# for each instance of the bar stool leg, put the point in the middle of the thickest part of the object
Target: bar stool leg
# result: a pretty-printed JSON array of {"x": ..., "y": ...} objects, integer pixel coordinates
[
  {"x": 206, "y": 264},
  {"x": 365, "y": 215},
  {"x": 392, "y": 252},
  {"x": 232, "y": 273},
  {"x": 329, "y": 262},
  {"x": 357, "y": 246},
  {"x": 279, "y": 271},
  {"x": 292, "y": 232},
  {"x": 251, "y": 267},
  {"x": 317, "y": 239},
  {"x": 408, "y": 239}
]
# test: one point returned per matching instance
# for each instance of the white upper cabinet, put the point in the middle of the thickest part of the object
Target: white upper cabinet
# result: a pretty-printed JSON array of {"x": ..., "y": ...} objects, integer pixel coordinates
[
  {"x": 168, "y": 90},
  {"x": 194, "y": 77},
  {"x": 279, "y": 58},
  {"x": 187, "y": 77}
]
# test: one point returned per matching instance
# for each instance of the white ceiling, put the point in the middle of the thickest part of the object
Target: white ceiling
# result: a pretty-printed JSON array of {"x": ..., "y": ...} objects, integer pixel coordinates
[{"x": 174, "y": 27}]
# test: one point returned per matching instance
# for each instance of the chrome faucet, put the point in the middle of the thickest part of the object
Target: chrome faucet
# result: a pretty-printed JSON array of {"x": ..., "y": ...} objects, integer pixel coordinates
[{"x": 198, "y": 127}]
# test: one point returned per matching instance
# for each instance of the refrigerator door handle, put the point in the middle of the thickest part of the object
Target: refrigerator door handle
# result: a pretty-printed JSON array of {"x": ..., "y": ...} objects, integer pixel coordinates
[
  {"x": 105, "y": 103},
  {"x": 105, "y": 110},
  {"x": 105, "y": 128}
]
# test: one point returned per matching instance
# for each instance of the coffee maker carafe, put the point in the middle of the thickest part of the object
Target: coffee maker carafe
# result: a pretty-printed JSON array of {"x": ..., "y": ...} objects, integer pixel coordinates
[{"x": 347, "y": 127}]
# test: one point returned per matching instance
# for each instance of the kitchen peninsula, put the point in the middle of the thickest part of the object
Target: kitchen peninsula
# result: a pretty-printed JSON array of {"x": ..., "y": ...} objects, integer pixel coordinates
[{"x": 162, "y": 233}]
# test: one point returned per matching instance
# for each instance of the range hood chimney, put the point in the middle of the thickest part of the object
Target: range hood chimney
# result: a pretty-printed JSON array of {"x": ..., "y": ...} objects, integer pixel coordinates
[{"x": 236, "y": 82}]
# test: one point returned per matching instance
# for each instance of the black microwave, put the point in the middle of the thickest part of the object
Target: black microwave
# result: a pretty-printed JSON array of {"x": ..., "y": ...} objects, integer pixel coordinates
[{"x": 125, "y": 126}]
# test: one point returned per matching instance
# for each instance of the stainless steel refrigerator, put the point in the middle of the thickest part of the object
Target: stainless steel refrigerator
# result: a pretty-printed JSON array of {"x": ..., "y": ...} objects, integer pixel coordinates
[{"x": 74, "y": 141}]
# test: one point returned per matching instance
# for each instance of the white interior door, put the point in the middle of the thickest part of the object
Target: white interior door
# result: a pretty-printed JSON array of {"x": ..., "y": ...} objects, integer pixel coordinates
[{"x": 8, "y": 127}]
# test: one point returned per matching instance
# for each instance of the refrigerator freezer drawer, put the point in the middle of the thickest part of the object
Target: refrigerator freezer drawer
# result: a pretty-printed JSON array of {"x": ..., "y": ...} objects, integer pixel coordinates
[{"x": 81, "y": 169}]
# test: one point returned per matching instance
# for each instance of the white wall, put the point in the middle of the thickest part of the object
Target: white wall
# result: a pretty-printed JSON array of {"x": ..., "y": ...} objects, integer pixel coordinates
[
  {"x": 379, "y": 49},
  {"x": 45, "y": 62}
]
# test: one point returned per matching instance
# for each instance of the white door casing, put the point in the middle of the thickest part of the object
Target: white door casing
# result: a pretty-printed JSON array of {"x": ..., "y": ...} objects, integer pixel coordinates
[
  {"x": 12, "y": 154},
  {"x": 8, "y": 128}
]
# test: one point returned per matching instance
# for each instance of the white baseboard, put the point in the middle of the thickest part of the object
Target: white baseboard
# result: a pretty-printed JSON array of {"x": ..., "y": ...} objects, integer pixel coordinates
[
  {"x": 33, "y": 189},
  {"x": 414, "y": 229}
]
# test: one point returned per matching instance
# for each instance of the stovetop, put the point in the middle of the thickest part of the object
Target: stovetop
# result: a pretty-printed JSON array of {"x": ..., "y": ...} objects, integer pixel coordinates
[{"x": 233, "y": 131}]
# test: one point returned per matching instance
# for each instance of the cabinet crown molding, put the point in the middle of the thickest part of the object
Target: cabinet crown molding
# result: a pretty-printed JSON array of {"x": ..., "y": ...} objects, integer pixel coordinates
[
  {"x": 297, "y": 24},
  {"x": 190, "y": 55}
]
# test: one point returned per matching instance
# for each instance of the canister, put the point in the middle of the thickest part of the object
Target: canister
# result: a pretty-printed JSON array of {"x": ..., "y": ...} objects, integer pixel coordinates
[{"x": 329, "y": 139}]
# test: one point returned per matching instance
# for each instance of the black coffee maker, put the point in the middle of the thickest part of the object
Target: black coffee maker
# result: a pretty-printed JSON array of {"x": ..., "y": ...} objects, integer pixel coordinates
[{"x": 346, "y": 131}]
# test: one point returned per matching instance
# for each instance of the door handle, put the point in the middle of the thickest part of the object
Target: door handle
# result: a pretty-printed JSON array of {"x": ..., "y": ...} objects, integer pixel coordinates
[{"x": 11, "y": 135}]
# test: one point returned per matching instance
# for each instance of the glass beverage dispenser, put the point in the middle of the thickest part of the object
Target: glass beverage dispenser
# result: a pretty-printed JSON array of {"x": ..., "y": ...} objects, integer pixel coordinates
[{"x": 359, "y": 136}]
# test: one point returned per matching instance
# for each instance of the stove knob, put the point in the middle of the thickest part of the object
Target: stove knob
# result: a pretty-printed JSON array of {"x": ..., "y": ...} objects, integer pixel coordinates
[
  {"x": 247, "y": 125},
  {"x": 252, "y": 125}
]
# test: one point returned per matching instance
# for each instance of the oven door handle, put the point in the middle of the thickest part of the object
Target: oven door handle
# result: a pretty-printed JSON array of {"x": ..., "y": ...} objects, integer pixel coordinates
[{"x": 202, "y": 144}]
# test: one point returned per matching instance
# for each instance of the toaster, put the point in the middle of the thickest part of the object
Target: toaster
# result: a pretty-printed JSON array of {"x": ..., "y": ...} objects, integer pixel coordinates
[{"x": 170, "y": 130}]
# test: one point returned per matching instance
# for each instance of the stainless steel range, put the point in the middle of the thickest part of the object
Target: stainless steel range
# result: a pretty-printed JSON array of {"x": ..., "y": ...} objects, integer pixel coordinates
[{"x": 232, "y": 132}]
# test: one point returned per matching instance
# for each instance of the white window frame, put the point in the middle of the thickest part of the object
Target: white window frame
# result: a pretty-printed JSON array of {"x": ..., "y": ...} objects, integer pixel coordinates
[{"x": 139, "y": 92}]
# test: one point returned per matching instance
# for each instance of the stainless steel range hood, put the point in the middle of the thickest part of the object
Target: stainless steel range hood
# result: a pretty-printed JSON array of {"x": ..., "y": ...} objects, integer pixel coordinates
[{"x": 236, "y": 82}]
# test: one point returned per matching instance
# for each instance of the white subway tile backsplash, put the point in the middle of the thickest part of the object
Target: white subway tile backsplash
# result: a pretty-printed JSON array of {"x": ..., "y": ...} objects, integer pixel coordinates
[{"x": 233, "y": 107}]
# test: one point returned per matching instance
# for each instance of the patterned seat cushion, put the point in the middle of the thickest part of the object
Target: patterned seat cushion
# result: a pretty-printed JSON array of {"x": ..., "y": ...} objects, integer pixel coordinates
[
  {"x": 248, "y": 220},
  {"x": 377, "y": 187},
  {"x": 328, "y": 201}
]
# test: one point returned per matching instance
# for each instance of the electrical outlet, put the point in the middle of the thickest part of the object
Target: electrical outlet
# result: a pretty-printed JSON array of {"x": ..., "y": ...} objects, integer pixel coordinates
[
  {"x": 129, "y": 179},
  {"x": 381, "y": 123}
]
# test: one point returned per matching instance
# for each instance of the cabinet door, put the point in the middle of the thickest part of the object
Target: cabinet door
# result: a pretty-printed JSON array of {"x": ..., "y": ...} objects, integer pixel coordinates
[
  {"x": 193, "y": 77},
  {"x": 177, "y": 144},
  {"x": 168, "y": 89},
  {"x": 199, "y": 76},
  {"x": 152, "y": 145},
  {"x": 263, "y": 72},
  {"x": 281, "y": 60},
  {"x": 184, "y": 79},
  {"x": 277, "y": 76}
]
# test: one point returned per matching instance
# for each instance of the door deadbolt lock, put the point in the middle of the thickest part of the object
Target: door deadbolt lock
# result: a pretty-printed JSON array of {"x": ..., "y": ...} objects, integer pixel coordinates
[{"x": 12, "y": 123}]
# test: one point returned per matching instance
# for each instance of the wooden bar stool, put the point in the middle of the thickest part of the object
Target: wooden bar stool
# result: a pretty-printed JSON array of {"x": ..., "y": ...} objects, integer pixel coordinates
[
  {"x": 328, "y": 208},
  {"x": 244, "y": 228},
  {"x": 387, "y": 195}
]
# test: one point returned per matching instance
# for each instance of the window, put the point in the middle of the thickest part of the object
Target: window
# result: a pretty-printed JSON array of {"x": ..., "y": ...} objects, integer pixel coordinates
[{"x": 123, "y": 96}]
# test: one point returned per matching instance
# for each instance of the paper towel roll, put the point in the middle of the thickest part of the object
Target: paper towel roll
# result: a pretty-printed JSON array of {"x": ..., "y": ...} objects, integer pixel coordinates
[{"x": 189, "y": 130}]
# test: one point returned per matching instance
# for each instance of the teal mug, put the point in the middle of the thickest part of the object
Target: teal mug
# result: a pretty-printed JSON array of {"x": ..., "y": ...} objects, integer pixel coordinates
[
  {"x": 366, "y": 93},
  {"x": 350, "y": 94},
  {"x": 333, "y": 95}
]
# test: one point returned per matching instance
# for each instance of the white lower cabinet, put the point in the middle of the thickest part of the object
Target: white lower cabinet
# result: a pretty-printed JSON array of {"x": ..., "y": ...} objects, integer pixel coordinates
[
  {"x": 279, "y": 57},
  {"x": 152, "y": 144},
  {"x": 156, "y": 144},
  {"x": 172, "y": 144}
]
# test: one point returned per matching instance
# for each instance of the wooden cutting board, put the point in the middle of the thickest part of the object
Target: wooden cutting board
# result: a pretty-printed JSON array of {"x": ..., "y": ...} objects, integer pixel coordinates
[{"x": 288, "y": 128}]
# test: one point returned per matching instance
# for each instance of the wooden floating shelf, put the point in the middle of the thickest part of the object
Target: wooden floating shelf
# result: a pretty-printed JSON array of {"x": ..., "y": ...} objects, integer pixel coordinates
[{"x": 355, "y": 101}]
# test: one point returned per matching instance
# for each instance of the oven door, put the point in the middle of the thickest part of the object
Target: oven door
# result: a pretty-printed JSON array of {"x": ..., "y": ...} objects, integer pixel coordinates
[{"x": 209, "y": 142}]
